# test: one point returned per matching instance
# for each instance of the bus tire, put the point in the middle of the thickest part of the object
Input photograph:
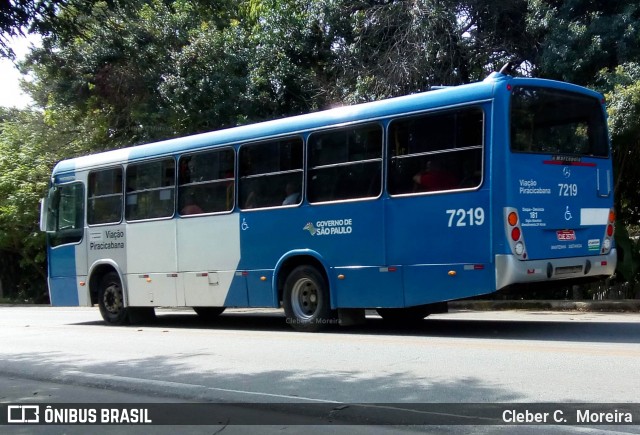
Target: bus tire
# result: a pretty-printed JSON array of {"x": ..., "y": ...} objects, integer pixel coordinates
[
  {"x": 111, "y": 300},
  {"x": 404, "y": 315},
  {"x": 208, "y": 313},
  {"x": 306, "y": 302}
]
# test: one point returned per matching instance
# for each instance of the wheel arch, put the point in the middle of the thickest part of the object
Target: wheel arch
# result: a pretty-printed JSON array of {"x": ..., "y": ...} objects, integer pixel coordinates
[
  {"x": 293, "y": 259},
  {"x": 98, "y": 270}
]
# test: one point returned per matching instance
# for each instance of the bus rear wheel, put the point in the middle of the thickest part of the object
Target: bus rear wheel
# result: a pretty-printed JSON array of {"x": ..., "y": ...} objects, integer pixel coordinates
[
  {"x": 404, "y": 315},
  {"x": 111, "y": 300},
  {"x": 306, "y": 300}
]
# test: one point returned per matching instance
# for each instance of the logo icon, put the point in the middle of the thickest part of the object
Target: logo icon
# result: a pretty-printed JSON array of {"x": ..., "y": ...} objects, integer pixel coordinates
[
  {"x": 23, "y": 414},
  {"x": 309, "y": 227},
  {"x": 594, "y": 245},
  {"x": 567, "y": 214}
]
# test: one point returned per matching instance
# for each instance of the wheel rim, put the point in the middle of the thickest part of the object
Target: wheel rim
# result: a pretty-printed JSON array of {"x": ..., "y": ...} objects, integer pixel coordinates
[
  {"x": 305, "y": 299},
  {"x": 113, "y": 298}
]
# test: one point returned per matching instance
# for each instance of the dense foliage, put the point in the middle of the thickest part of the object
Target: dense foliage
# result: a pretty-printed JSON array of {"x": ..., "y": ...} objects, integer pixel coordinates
[{"x": 116, "y": 73}]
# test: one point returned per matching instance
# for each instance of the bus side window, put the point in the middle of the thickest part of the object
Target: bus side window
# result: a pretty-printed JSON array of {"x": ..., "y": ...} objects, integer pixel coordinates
[
  {"x": 270, "y": 174},
  {"x": 150, "y": 188},
  {"x": 104, "y": 200},
  {"x": 345, "y": 164},
  {"x": 436, "y": 151},
  {"x": 206, "y": 182}
]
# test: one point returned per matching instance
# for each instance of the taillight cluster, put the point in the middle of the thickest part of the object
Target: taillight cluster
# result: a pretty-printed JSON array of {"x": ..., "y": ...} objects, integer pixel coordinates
[
  {"x": 608, "y": 234},
  {"x": 514, "y": 233}
]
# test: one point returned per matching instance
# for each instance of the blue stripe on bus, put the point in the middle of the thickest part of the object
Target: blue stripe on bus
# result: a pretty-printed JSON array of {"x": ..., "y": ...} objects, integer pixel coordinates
[{"x": 63, "y": 292}]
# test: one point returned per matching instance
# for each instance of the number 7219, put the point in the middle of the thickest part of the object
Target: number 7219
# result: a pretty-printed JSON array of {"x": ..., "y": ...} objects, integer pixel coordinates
[{"x": 468, "y": 217}]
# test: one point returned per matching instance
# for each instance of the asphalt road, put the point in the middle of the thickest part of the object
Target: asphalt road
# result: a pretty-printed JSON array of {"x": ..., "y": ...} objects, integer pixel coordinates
[{"x": 53, "y": 355}]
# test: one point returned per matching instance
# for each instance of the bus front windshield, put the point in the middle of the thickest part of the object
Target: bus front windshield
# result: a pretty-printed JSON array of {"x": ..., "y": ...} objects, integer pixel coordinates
[{"x": 551, "y": 121}]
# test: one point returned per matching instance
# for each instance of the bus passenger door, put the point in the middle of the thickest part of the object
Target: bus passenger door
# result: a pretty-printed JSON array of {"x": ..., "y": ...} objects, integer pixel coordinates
[{"x": 67, "y": 246}]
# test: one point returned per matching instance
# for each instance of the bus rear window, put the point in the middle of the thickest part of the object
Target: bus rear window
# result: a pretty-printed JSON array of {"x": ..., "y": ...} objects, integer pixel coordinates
[{"x": 550, "y": 121}]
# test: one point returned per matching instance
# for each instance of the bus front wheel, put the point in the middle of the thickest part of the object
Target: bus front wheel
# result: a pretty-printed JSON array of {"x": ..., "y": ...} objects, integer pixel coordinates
[
  {"x": 306, "y": 300},
  {"x": 111, "y": 300}
]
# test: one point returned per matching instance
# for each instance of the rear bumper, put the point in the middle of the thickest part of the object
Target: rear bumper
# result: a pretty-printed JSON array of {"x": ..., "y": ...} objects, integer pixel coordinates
[{"x": 510, "y": 270}]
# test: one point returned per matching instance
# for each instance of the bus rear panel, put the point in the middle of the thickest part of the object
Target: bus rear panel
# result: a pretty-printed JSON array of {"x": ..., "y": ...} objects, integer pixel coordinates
[{"x": 558, "y": 214}]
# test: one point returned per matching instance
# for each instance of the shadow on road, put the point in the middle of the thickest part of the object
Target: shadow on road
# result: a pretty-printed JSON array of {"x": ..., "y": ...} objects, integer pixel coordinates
[{"x": 572, "y": 330}]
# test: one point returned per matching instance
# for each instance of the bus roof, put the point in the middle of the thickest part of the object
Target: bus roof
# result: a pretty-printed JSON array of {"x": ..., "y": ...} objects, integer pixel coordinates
[{"x": 445, "y": 97}]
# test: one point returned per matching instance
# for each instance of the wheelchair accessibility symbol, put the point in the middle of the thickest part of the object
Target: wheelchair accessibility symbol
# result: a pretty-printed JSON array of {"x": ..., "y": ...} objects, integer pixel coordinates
[
  {"x": 244, "y": 225},
  {"x": 567, "y": 214}
]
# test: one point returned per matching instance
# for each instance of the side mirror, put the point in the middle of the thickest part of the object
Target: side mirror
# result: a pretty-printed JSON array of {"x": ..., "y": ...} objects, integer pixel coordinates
[
  {"x": 44, "y": 211},
  {"x": 48, "y": 209}
]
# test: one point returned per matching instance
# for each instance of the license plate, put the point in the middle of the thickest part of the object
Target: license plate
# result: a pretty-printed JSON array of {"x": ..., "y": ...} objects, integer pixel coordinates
[{"x": 564, "y": 235}]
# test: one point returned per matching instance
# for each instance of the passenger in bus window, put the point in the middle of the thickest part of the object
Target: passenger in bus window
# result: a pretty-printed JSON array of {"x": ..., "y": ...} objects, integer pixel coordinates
[
  {"x": 293, "y": 196},
  {"x": 435, "y": 177},
  {"x": 251, "y": 201},
  {"x": 184, "y": 174},
  {"x": 190, "y": 206}
]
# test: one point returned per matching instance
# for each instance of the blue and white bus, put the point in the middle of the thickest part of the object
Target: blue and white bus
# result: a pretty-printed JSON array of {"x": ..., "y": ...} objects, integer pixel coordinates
[{"x": 397, "y": 205}]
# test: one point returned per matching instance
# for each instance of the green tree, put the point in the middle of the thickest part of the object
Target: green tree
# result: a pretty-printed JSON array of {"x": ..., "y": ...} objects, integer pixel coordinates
[
  {"x": 394, "y": 48},
  {"x": 624, "y": 123},
  {"x": 204, "y": 84},
  {"x": 623, "y": 104},
  {"x": 26, "y": 160},
  {"x": 103, "y": 65},
  {"x": 291, "y": 53},
  {"x": 18, "y": 17},
  {"x": 579, "y": 38}
]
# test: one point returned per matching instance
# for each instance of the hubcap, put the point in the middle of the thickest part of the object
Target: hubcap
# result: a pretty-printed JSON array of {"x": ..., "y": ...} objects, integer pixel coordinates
[
  {"x": 305, "y": 299},
  {"x": 113, "y": 299}
]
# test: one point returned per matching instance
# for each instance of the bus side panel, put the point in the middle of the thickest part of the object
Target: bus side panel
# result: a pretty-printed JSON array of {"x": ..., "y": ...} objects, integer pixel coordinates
[
  {"x": 151, "y": 263},
  {"x": 368, "y": 287},
  {"x": 260, "y": 283},
  {"x": 444, "y": 282},
  {"x": 433, "y": 235},
  {"x": 209, "y": 256},
  {"x": 215, "y": 289},
  {"x": 344, "y": 234},
  {"x": 351, "y": 235},
  {"x": 107, "y": 244}
]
